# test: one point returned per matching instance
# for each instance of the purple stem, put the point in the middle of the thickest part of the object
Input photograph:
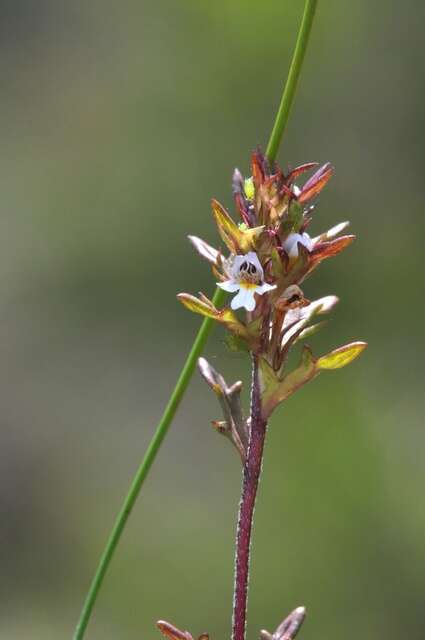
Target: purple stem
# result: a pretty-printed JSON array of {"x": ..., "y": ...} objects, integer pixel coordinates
[{"x": 251, "y": 475}]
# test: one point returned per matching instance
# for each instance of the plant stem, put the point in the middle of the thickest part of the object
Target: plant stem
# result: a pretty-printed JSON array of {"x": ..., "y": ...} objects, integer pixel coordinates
[
  {"x": 251, "y": 476},
  {"x": 258, "y": 427},
  {"x": 144, "y": 467},
  {"x": 292, "y": 81},
  {"x": 197, "y": 347}
]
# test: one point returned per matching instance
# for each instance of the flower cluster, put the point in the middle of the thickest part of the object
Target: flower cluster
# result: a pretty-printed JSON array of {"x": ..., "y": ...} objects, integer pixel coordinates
[{"x": 270, "y": 253}]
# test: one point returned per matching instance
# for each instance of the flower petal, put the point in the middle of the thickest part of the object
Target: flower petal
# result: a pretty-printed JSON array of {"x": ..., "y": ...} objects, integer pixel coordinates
[
  {"x": 263, "y": 288},
  {"x": 290, "y": 245},
  {"x": 298, "y": 319},
  {"x": 250, "y": 257},
  {"x": 250, "y": 301},
  {"x": 307, "y": 241},
  {"x": 236, "y": 263},
  {"x": 229, "y": 285},
  {"x": 245, "y": 298},
  {"x": 239, "y": 300}
]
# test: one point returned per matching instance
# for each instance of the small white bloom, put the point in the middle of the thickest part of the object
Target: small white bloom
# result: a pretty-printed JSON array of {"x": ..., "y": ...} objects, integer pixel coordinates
[
  {"x": 246, "y": 277},
  {"x": 298, "y": 318},
  {"x": 291, "y": 243}
]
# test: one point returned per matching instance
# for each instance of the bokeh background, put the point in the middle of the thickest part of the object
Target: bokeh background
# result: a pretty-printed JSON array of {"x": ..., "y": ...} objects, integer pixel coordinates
[{"x": 119, "y": 122}]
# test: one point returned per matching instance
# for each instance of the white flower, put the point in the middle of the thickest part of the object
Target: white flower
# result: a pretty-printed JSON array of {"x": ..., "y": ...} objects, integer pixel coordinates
[
  {"x": 246, "y": 277},
  {"x": 291, "y": 243}
]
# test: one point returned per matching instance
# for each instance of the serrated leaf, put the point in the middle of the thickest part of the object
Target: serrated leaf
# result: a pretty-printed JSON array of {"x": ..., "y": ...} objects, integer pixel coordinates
[{"x": 342, "y": 356}]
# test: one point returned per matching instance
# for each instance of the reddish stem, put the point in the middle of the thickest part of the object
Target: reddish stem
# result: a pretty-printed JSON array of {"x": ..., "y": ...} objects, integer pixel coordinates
[{"x": 251, "y": 475}]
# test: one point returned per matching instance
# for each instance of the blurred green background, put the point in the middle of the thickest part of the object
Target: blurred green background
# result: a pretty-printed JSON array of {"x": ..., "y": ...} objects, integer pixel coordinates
[{"x": 119, "y": 122}]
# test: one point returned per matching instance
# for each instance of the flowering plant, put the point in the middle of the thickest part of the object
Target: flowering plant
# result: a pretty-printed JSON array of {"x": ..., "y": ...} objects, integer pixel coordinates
[
  {"x": 269, "y": 254},
  {"x": 264, "y": 259}
]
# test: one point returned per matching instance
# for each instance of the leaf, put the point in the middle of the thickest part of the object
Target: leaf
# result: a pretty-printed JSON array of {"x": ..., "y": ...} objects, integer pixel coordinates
[
  {"x": 276, "y": 390},
  {"x": 320, "y": 306},
  {"x": 234, "y": 425},
  {"x": 299, "y": 170},
  {"x": 289, "y": 628},
  {"x": 212, "y": 377},
  {"x": 331, "y": 248},
  {"x": 227, "y": 228},
  {"x": 331, "y": 233},
  {"x": 268, "y": 379},
  {"x": 293, "y": 219},
  {"x": 226, "y": 316},
  {"x": 297, "y": 270},
  {"x": 315, "y": 184},
  {"x": 204, "y": 249},
  {"x": 342, "y": 356},
  {"x": 171, "y": 632},
  {"x": 258, "y": 164},
  {"x": 276, "y": 262},
  {"x": 237, "y": 240},
  {"x": 198, "y": 306},
  {"x": 310, "y": 331},
  {"x": 249, "y": 188},
  {"x": 240, "y": 196},
  {"x": 235, "y": 343}
]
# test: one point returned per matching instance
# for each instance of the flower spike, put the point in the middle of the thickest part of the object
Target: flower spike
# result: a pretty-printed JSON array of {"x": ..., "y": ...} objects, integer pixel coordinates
[{"x": 270, "y": 254}]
